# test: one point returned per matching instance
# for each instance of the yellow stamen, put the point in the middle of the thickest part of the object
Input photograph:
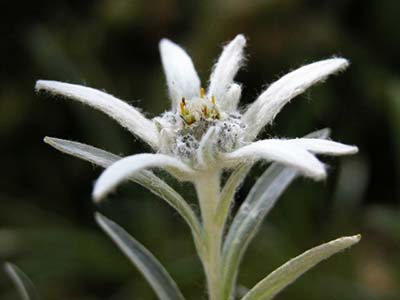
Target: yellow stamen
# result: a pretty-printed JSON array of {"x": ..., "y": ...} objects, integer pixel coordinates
[
  {"x": 182, "y": 106},
  {"x": 205, "y": 111},
  {"x": 213, "y": 100},
  {"x": 202, "y": 92}
]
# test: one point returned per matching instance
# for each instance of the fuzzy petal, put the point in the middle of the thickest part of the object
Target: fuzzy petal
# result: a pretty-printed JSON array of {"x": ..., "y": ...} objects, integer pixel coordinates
[
  {"x": 182, "y": 78},
  {"x": 226, "y": 67},
  {"x": 319, "y": 146},
  {"x": 206, "y": 153},
  {"x": 231, "y": 98},
  {"x": 280, "y": 151},
  {"x": 271, "y": 101},
  {"x": 123, "y": 113},
  {"x": 128, "y": 166}
]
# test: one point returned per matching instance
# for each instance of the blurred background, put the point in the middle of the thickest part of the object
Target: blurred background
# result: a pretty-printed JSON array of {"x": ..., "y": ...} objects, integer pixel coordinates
[{"x": 46, "y": 214}]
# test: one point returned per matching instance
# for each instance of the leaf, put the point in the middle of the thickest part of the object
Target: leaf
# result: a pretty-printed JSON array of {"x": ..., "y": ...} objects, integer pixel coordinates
[
  {"x": 145, "y": 178},
  {"x": 159, "y": 279},
  {"x": 23, "y": 284},
  {"x": 247, "y": 221},
  {"x": 286, "y": 274},
  {"x": 260, "y": 200}
]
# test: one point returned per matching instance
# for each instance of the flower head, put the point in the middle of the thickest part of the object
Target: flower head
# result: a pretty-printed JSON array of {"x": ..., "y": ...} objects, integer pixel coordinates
[
  {"x": 205, "y": 129},
  {"x": 204, "y": 133}
]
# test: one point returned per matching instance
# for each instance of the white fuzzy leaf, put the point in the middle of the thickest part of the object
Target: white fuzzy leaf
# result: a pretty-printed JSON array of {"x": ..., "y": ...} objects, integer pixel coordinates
[
  {"x": 144, "y": 177},
  {"x": 159, "y": 279},
  {"x": 128, "y": 166},
  {"x": 279, "y": 279},
  {"x": 271, "y": 101},
  {"x": 281, "y": 151},
  {"x": 319, "y": 146},
  {"x": 126, "y": 115},
  {"x": 230, "y": 100},
  {"x": 24, "y": 285},
  {"x": 182, "y": 78},
  {"x": 226, "y": 67}
]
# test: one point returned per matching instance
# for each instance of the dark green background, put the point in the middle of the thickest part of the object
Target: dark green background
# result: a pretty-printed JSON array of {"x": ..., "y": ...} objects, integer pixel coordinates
[{"x": 46, "y": 214}]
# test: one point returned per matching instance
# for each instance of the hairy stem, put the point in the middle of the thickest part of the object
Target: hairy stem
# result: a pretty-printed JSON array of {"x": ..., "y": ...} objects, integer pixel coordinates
[{"x": 208, "y": 192}]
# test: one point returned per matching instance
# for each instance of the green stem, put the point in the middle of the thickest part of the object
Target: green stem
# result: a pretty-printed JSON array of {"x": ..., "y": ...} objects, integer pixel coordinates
[{"x": 208, "y": 191}]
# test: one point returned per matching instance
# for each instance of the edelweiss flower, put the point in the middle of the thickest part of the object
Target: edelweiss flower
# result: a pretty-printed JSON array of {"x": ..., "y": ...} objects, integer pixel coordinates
[
  {"x": 204, "y": 133},
  {"x": 206, "y": 129}
]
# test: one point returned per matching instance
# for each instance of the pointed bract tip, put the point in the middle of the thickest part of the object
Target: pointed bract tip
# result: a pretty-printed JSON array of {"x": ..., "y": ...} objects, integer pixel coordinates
[
  {"x": 101, "y": 220},
  {"x": 164, "y": 42},
  {"x": 39, "y": 85},
  {"x": 48, "y": 140},
  {"x": 351, "y": 240},
  {"x": 97, "y": 197},
  {"x": 323, "y": 133},
  {"x": 7, "y": 266},
  {"x": 99, "y": 193},
  {"x": 357, "y": 237},
  {"x": 98, "y": 218},
  {"x": 235, "y": 90},
  {"x": 240, "y": 38},
  {"x": 319, "y": 175},
  {"x": 353, "y": 150},
  {"x": 340, "y": 62},
  {"x": 52, "y": 141},
  {"x": 45, "y": 85}
]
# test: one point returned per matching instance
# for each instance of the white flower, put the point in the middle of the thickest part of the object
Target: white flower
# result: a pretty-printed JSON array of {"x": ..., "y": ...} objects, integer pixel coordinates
[
  {"x": 204, "y": 133},
  {"x": 206, "y": 129}
]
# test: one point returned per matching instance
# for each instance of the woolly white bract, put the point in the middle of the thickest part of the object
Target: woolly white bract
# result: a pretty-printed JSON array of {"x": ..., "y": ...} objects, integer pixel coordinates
[
  {"x": 207, "y": 130},
  {"x": 204, "y": 134}
]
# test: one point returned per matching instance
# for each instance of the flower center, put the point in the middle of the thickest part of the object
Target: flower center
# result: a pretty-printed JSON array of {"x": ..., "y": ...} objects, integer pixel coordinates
[
  {"x": 181, "y": 132},
  {"x": 197, "y": 109}
]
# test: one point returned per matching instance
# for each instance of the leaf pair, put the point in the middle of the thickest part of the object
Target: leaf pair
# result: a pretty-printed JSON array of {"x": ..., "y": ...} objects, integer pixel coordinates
[
  {"x": 164, "y": 285},
  {"x": 166, "y": 288},
  {"x": 260, "y": 200}
]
